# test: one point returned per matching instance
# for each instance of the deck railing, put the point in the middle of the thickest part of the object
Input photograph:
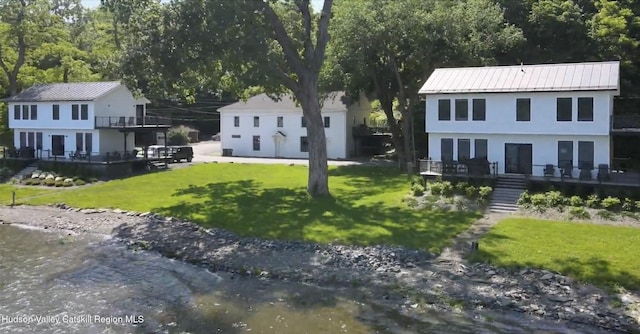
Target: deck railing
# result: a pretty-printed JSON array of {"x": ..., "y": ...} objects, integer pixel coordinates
[
  {"x": 131, "y": 121},
  {"x": 587, "y": 172},
  {"x": 78, "y": 156},
  {"x": 625, "y": 123},
  {"x": 470, "y": 168}
]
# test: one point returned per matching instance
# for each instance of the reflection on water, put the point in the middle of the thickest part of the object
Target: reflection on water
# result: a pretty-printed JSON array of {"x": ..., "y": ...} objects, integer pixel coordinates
[{"x": 55, "y": 283}]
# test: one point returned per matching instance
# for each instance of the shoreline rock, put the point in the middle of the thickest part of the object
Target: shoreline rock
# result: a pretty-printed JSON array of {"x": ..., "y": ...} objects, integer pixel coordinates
[{"x": 398, "y": 277}]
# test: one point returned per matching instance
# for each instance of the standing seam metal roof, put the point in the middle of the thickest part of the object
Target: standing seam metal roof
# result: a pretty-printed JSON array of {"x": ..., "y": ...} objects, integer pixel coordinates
[
  {"x": 73, "y": 91},
  {"x": 525, "y": 78}
]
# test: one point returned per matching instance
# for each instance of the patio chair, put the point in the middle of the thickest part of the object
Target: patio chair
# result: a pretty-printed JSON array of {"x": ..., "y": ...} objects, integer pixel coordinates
[
  {"x": 567, "y": 171},
  {"x": 603, "y": 172},
  {"x": 585, "y": 171},
  {"x": 549, "y": 170}
]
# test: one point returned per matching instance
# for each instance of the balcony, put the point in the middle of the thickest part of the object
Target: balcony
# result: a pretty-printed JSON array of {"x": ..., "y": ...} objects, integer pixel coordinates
[
  {"x": 131, "y": 122},
  {"x": 625, "y": 124}
]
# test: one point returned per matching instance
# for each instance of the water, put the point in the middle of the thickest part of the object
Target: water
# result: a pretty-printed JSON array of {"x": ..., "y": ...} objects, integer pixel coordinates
[{"x": 55, "y": 283}]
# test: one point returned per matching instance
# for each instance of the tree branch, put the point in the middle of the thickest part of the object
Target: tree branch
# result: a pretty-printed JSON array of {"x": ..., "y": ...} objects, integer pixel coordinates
[
  {"x": 303, "y": 7},
  {"x": 290, "y": 53},
  {"x": 323, "y": 35}
]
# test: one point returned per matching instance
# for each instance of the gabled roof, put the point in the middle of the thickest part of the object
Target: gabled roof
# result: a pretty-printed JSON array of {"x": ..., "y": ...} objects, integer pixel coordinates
[
  {"x": 73, "y": 91},
  {"x": 336, "y": 101},
  {"x": 525, "y": 78}
]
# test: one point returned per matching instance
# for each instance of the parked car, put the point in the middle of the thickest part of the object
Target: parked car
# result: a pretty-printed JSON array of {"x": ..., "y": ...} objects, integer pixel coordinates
[
  {"x": 216, "y": 137},
  {"x": 181, "y": 152}
]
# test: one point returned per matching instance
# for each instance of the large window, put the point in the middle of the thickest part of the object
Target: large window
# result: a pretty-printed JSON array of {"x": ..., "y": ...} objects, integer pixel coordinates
[
  {"x": 79, "y": 141},
  {"x": 304, "y": 144},
  {"x": 327, "y": 122},
  {"x": 280, "y": 121},
  {"x": 303, "y": 122},
  {"x": 256, "y": 143},
  {"x": 74, "y": 112},
  {"x": 444, "y": 110},
  {"x": 16, "y": 111},
  {"x": 462, "y": 110},
  {"x": 565, "y": 154},
  {"x": 479, "y": 109},
  {"x": 585, "y": 154},
  {"x": 585, "y": 109},
  {"x": 564, "y": 106},
  {"x": 25, "y": 112},
  {"x": 56, "y": 111},
  {"x": 236, "y": 121},
  {"x": 523, "y": 110},
  {"x": 88, "y": 142},
  {"x": 84, "y": 111},
  {"x": 446, "y": 149},
  {"x": 481, "y": 148},
  {"x": 34, "y": 111},
  {"x": 38, "y": 140},
  {"x": 464, "y": 149},
  {"x": 23, "y": 139},
  {"x": 256, "y": 121}
]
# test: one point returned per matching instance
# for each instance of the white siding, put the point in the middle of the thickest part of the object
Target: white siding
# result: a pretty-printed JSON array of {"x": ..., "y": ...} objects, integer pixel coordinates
[
  {"x": 501, "y": 114},
  {"x": 292, "y": 128},
  {"x": 45, "y": 116},
  {"x": 69, "y": 140},
  {"x": 119, "y": 102},
  {"x": 113, "y": 140},
  {"x": 545, "y": 148}
]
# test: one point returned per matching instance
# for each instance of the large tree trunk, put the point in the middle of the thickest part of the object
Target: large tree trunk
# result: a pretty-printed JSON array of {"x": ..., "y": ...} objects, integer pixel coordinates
[{"x": 318, "y": 183}]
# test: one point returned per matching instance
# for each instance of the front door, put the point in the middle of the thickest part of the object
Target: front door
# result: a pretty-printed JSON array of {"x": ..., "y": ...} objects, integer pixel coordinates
[
  {"x": 518, "y": 158},
  {"x": 57, "y": 145}
]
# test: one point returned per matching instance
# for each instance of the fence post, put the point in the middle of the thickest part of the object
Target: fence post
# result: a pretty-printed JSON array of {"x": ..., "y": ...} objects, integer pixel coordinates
[{"x": 13, "y": 198}]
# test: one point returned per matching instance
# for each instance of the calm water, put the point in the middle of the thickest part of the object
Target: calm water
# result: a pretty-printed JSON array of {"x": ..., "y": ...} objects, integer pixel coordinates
[{"x": 54, "y": 283}]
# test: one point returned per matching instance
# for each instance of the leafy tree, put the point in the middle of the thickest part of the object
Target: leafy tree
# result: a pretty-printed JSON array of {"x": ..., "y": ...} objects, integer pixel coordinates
[
  {"x": 389, "y": 47},
  {"x": 194, "y": 45}
]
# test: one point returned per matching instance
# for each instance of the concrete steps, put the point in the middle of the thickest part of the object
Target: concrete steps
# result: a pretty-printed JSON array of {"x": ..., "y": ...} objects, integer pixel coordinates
[
  {"x": 25, "y": 172},
  {"x": 506, "y": 194}
]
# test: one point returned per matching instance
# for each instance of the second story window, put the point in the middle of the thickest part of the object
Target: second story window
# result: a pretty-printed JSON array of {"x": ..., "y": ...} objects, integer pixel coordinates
[
  {"x": 462, "y": 110},
  {"x": 564, "y": 106},
  {"x": 304, "y": 144},
  {"x": 585, "y": 109},
  {"x": 25, "y": 112},
  {"x": 523, "y": 110},
  {"x": 236, "y": 121},
  {"x": 256, "y": 121},
  {"x": 34, "y": 111},
  {"x": 444, "y": 110},
  {"x": 303, "y": 122},
  {"x": 74, "y": 112},
  {"x": 16, "y": 111},
  {"x": 327, "y": 121},
  {"x": 479, "y": 109},
  {"x": 56, "y": 111},
  {"x": 84, "y": 111},
  {"x": 280, "y": 121}
]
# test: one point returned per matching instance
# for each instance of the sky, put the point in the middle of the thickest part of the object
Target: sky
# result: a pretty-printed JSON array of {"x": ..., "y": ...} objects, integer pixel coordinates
[{"x": 316, "y": 4}]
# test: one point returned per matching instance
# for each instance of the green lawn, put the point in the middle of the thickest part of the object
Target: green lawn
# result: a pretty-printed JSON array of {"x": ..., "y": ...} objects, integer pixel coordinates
[
  {"x": 270, "y": 201},
  {"x": 603, "y": 255},
  {"x": 22, "y": 193}
]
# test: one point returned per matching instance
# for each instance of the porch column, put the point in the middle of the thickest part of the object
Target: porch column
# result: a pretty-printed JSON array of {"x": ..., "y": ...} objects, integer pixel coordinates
[
  {"x": 126, "y": 134},
  {"x": 166, "y": 139}
]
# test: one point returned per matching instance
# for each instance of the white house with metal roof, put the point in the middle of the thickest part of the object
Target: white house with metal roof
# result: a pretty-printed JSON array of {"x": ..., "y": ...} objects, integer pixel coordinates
[
  {"x": 76, "y": 119},
  {"x": 523, "y": 117},
  {"x": 264, "y": 127}
]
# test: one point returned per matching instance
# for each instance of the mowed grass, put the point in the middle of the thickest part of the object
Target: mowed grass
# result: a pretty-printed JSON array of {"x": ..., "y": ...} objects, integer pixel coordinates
[
  {"x": 21, "y": 193},
  {"x": 270, "y": 201},
  {"x": 603, "y": 255}
]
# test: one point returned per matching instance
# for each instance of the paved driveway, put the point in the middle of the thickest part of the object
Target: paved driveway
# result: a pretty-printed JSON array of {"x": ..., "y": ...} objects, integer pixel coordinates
[{"x": 211, "y": 151}]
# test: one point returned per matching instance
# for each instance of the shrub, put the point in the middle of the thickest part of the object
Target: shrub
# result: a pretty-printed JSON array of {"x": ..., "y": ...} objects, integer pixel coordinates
[
  {"x": 575, "y": 201},
  {"x": 179, "y": 135},
  {"x": 460, "y": 204},
  {"x": 484, "y": 193},
  {"x": 578, "y": 213},
  {"x": 417, "y": 189},
  {"x": 593, "y": 201},
  {"x": 628, "y": 205},
  {"x": 638, "y": 205},
  {"x": 471, "y": 192},
  {"x": 447, "y": 189},
  {"x": 539, "y": 201},
  {"x": 524, "y": 200},
  {"x": 461, "y": 188},
  {"x": 435, "y": 188},
  {"x": 49, "y": 182},
  {"x": 67, "y": 184},
  {"x": 80, "y": 182},
  {"x": 610, "y": 203},
  {"x": 555, "y": 199},
  {"x": 58, "y": 183}
]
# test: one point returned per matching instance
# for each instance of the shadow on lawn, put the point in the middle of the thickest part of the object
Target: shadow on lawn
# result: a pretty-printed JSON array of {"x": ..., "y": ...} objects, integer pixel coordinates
[{"x": 290, "y": 214}]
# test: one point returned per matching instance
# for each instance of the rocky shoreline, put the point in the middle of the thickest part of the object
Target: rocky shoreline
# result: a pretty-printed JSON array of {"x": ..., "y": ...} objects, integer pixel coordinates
[{"x": 396, "y": 277}]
